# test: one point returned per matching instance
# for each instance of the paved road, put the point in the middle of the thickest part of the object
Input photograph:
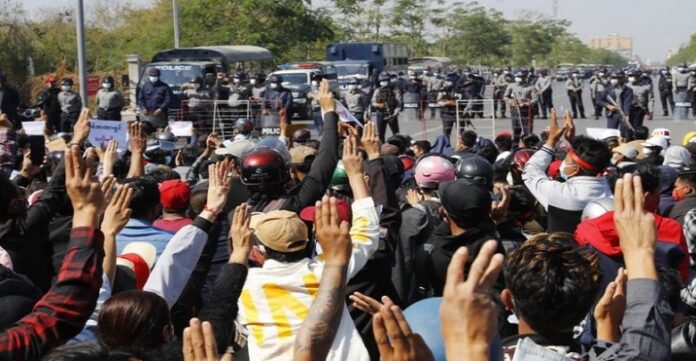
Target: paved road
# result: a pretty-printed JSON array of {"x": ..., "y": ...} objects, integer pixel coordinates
[{"x": 431, "y": 128}]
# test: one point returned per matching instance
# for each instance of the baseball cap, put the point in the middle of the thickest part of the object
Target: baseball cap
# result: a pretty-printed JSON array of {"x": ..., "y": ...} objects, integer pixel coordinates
[
  {"x": 656, "y": 141},
  {"x": 662, "y": 132},
  {"x": 174, "y": 194},
  {"x": 343, "y": 207},
  {"x": 237, "y": 148},
  {"x": 281, "y": 231},
  {"x": 466, "y": 203},
  {"x": 627, "y": 150},
  {"x": 690, "y": 137},
  {"x": 139, "y": 257},
  {"x": 299, "y": 154},
  {"x": 153, "y": 72}
]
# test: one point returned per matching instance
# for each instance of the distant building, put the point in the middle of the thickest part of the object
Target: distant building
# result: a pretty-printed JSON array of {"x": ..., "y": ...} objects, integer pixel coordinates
[{"x": 620, "y": 44}]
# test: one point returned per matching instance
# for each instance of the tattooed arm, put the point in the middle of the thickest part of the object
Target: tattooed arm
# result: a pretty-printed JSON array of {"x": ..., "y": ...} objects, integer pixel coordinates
[{"x": 317, "y": 333}]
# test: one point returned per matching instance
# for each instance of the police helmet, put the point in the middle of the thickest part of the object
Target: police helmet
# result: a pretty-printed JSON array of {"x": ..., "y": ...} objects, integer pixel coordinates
[
  {"x": 522, "y": 73},
  {"x": 108, "y": 80},
  {"x": 240, "y": 75},
  {"x": 618, "y": 74},
  {"x": 384, "y": 76},
  {"x": 244, "y": 125},
  {"x": 301, "y": 135},
  {"x": 451, "y": 77},
  {"x": 635, "y": 72},
  {"x": 475, "y": 168},
  {"x": 197, "y": 80},
  {"x": 353, "y": 81}
]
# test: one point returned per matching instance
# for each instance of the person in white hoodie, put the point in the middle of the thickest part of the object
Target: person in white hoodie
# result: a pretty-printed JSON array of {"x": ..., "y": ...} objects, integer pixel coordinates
[
  {"x": 581, "y": 169},
  {"x": 276, "y": 297}
]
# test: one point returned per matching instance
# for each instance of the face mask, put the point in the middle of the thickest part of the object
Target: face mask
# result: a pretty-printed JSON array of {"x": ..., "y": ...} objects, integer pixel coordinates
[
  {"x": 106, "y": 85},
  {"x": 66, "y": 87},
  {"x": 631, "y": 79},
  {"x": 676, "y": 195},
  {"x": 518, "y": 80},
  {"x": 154, "y": 79},
  {"x": 664, "y": 72},
  {"x": 600, "y": 75},
  {"x": 383, "y": 84},
  {"x": 562, "y": 169},
  {"x": 314, "y": 84},
  {"x": 614, "y": 81},
  {"x": 354, "y": 87},
  {"x": 252, "y": 81},
  {"x": 506, "y": 72},
  {"x": 274, "y": 85},
  {"x": 50, "y": 86},
  {"x": 681, "y": 70},
  {"x": 235, "y": 80},
  {"x": 448, "y": 83}
]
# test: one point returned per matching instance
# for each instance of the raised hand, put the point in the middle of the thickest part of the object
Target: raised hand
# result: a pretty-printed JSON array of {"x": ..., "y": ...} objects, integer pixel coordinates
[
  {"x": 568, "y": 125},
  {"x": 241, "y": 234},
  {"x": 200, "y": 343},
  {"x": 117, "y": 212},
  {"x": 499, "y": 209},
  {"x": 555, "y": 133},
  {"x": 370, "y": 141},
  {"x": 610, "y": 309},
  {"x": 332, "y": 234},
  {"x": 636, "y": 228},
  {"x": 137, "y": 139},
  {"x": 218, "y": 187},
  {"x": 366, "y": 303},
  {"x": 468, "y": 314},
  {"x": 326, "y": 97},
  {"x": 84, "y": 191},
  {"x": 82, "y": 127},
  {"x": 390, "y": 324}
]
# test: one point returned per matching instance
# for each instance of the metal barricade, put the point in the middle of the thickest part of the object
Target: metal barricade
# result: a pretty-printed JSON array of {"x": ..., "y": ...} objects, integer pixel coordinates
[
  {"x": 466, "y": 111},
  {"x": 214, "y": 115}
]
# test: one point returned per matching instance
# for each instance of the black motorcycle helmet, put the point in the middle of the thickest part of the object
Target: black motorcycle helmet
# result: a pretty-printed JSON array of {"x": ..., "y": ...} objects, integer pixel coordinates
[
  {"x": 301, "y": 136},
  {"x": 264, "y": 168},
  {"x": 475, "y": 168},
  {"x": 244, "y": 125}
]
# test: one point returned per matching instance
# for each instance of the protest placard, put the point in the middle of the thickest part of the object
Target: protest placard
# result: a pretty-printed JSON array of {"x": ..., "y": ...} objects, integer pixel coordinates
[
  {"x": 181, "y": 128},
  {"x": 102, "y": 131},
  {"x": 33, "y": 128}
]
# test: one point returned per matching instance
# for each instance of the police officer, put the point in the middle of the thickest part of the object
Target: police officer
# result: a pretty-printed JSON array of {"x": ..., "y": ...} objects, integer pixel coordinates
[
  {"x": 476, "y": 92},
  {"x": 664, "y": 86},
  {"x": 70, "y": 105},
  {"x": 643, "y": 98},
  {"x": 109, "y": 100},
  {"x": 545, "y": 92},
  {"x": 221, "y": 89},
  {"x": 277, "y": 98},
  {"x": 574, "y": 87},
  {"x": 447, "y": 100},
  {"x": 414, "y": 92},
  {"x": 313, "y": 98},
  {"x": 692, "y": 88},
  {"x": 682, "y": 80},
  {"x": 617, "y": 99},
  {"x": 386, "y": 102},
  {"x": 521, "y": 97},
  {"x": 258, "y": 91},
  {"x": 434, "y": 89},
  {"x": 240, "y": 87},
  {"x": 154, "y": 100},
  {"x": 598, "y": 83},
  {"x": 9, "y": 101},
  {"x": 501, "y": 83},
  {"x": 356, "y": 100},
  {"x": 48, "y": 102}
]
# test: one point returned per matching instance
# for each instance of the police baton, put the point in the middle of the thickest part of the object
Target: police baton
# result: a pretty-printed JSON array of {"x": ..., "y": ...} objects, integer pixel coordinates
[{"x": 624, "y": 118}]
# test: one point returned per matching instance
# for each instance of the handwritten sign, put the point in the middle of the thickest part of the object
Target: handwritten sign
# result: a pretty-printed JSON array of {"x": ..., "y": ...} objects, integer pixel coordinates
[
  {"x": 33, "y": 128},
  {"x": 102, "y": 131},
  {"x": 345, "y": 115},
  {"x": 181, "y": 128}
]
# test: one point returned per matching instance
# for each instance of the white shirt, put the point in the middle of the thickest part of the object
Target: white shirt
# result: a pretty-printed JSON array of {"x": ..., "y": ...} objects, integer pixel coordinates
[{"x": 276, "y": 298}]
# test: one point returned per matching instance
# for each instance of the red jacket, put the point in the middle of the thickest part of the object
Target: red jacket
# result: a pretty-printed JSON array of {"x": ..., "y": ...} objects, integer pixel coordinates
[{"x": 601, "y": 233}]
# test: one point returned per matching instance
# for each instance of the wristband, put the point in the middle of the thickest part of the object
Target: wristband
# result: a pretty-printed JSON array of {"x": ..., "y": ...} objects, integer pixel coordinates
[{"x": 206, "y": 208}]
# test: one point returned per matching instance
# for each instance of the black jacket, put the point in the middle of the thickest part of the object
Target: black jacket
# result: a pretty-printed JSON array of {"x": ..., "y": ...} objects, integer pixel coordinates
[
  {"x": 683, "y": 207},
  {"x": 25, "y": 236}
]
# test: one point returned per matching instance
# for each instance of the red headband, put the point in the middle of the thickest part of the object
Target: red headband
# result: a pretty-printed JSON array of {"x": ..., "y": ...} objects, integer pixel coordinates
[{"x": 584, "y": 165}]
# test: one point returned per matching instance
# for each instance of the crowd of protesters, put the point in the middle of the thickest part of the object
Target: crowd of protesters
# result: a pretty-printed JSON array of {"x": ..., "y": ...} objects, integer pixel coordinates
[{"x": 561, "y": 247}]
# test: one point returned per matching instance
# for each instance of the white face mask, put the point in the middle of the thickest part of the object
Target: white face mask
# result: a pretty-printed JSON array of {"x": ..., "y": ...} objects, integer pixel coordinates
[
  {"x": 614, "y": 81},
  {"x": 66, "y": 87},
  {"x": 575, "y": 75},
  {"x": 383, "y": 84},
  {"x": 354, "y": 87},
  {"x": 235, "y": 80},
  {"x": 154, "y": 79},
  {"x": 518, "y": 80},
  {"x": 314, "y": 84},
  {"x": 506, "y": 72},
  {"x": 600, "y": 74},
  {"x": 448, "y": 83},
  {"x": 252, "y": 81},
  {"x": 631, "y": 79},
  {"x": 274, "y": 85},
  {"x": 106, "y": 86}
]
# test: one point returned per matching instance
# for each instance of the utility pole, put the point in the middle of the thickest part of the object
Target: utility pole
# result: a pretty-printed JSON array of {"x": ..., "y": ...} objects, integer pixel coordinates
[
  {"x": 81, "y": 57},
  {"x": 175, "y": 10},
  {"x": 555, "y": 9}
]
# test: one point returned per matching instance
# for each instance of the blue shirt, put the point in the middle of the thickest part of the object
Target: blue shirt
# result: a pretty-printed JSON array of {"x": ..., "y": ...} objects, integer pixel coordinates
[
  {"x": 153, "y": 96},
  {"x": 275, "y": 99},
  {"x": 140, "y": 230}
]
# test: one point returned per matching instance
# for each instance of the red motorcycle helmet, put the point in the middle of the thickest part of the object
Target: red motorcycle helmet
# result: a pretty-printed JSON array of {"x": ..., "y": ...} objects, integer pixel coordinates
[
  {"x": 522, "y": 157},
  {"x": 264, "y": 167}
]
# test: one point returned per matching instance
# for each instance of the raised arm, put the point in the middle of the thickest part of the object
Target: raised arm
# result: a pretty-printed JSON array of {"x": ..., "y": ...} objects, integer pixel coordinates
[
  {"x": 63, "y": 311},
  {"x": 137, "y": 148}
]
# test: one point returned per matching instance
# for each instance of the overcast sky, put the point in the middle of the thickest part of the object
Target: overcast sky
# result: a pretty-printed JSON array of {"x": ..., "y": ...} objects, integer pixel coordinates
[{"x": 656, "y": 26}]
